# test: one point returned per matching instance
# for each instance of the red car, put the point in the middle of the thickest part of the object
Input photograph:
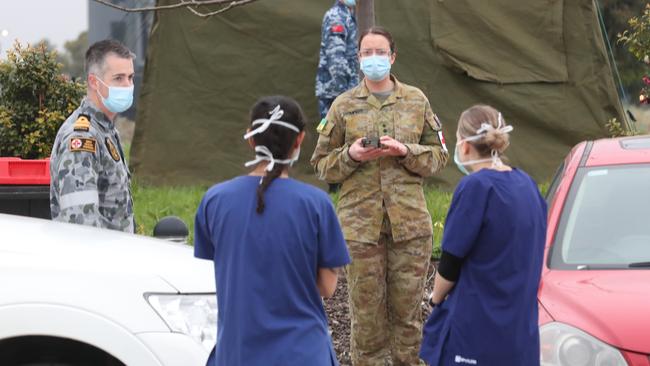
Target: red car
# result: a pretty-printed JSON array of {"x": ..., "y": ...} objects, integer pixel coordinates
[{"x": 594, "y": 299}]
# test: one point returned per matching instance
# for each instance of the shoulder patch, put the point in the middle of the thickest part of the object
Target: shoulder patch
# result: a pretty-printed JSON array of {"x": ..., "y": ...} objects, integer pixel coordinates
[
  {"x": 82, "y": 123},
  {"x": 441, "y": 138},
  {"x": 321, "y": 125},
  {"x": 78, "y": 144},
  {"x": 325, "y": 127},
  {"x": 112, "y": 150},
  {"x": 337, "y": 28}
]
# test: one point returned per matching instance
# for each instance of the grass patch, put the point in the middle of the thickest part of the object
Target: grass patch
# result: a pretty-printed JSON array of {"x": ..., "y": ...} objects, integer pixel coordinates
[
  {"x": 153, "y": 203},
  {"x": 438, "y": 202}
]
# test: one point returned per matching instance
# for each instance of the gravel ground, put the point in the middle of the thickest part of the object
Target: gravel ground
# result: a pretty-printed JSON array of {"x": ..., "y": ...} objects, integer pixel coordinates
[{"x": 339, "y": 318}]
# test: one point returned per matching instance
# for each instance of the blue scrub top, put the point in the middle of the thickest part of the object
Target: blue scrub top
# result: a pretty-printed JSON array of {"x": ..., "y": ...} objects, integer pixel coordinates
[
  {"x": 270, "y": 309},
  {"x": 497, "y": 224}
]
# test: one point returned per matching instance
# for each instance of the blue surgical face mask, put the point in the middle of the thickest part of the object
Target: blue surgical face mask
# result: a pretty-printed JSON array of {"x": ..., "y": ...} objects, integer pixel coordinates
[
  {"x": 120, "y": 98},
  {"x": 459, "y": 164},
  {"x": 375, "y": 68},
  {"x": 350, "y": 3}
]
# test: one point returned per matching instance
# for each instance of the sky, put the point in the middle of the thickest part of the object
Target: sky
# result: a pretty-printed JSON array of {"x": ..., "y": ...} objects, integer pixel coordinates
[{"x": 32, "y": 20}]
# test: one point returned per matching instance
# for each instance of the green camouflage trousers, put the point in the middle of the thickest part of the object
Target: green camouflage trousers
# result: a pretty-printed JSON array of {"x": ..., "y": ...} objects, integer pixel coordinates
[{"x": 386, "y": 284}]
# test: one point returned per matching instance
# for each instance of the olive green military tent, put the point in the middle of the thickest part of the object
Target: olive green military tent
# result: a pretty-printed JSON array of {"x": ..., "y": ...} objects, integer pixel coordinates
[{"x": 543, "y": 63}]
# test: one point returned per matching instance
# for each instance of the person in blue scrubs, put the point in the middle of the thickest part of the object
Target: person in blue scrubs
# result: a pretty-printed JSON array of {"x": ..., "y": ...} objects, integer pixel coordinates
[
  {"x": 485, "y": 291},
  {"x": 277, "y": 246}
]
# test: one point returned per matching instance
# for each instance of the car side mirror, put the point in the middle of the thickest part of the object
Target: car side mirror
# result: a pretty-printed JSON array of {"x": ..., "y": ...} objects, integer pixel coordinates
[{"x": 171, "y": 228}]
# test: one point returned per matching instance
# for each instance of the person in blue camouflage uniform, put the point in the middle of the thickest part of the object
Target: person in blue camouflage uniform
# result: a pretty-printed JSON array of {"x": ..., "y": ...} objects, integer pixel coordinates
[
  {"x": 90, "y": 180},
  {"x": 338, "y": 64}
]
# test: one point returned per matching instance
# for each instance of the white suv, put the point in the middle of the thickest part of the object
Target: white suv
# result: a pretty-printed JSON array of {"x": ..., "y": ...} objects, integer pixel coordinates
[{"x": 76, "y": 295}]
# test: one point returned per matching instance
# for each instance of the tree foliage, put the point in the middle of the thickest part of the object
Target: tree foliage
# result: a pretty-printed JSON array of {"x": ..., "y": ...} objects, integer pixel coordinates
[
  {"x": 637, "y": 41},
  {"x": 74, "y": 56},
  {"x": 615, "y": 16},
  {"x": 35, "y": 99},
  {"x": 637, "y": 38}
]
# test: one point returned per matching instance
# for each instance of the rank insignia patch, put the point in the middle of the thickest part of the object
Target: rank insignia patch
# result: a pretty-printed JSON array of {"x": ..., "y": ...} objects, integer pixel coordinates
[{"x": 82, "y": 123}]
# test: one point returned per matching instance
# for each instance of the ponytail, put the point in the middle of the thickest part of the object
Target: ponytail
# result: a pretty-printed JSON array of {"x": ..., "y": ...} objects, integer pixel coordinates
[
  {"x": 265, "y": 183},
  {"x": 276, "y": 122}
]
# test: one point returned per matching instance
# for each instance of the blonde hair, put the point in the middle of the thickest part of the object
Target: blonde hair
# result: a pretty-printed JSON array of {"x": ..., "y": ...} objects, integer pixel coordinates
[{"x": 471, "y": 123}]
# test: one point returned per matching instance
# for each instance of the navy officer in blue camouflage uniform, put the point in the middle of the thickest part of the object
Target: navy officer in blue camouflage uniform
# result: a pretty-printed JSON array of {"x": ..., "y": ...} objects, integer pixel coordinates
[
  {"x": 338, "y": 64},
  {"x": 90, "y": 179}
]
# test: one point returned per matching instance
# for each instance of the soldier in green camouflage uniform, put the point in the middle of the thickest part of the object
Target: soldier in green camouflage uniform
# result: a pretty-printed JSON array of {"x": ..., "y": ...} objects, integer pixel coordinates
[
  {"x": 381, "y": 207},
  {"x": 90, "y": 180}
]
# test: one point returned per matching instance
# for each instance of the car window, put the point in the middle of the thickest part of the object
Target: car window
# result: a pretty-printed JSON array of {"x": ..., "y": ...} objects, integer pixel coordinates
[{"x": 605, "y": 223}]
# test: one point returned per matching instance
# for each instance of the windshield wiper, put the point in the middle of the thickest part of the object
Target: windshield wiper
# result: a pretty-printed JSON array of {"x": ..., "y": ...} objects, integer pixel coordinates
[{"x": 639, "y": 265}]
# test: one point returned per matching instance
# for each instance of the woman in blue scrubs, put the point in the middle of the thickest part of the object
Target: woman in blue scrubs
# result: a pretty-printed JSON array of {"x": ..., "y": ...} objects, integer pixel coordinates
[
  {"x": 485, "y": 291},
  {"x": 276, "y": 246}
]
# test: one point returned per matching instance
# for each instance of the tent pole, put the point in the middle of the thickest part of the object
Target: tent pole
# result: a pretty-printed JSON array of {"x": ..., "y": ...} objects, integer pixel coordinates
[
  {"x": 365, "y": 14},
  {"x": 610, "y": 57}
]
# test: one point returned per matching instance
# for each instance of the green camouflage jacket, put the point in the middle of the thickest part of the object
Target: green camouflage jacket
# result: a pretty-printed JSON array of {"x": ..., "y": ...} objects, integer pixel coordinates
[{"x": 389, "y": 184}]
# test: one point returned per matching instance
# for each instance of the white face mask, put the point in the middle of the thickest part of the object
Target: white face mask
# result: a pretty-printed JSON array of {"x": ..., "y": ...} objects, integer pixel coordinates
[
  {"x": 296, "y": 156},
  {"x": 264, "y": 154}
]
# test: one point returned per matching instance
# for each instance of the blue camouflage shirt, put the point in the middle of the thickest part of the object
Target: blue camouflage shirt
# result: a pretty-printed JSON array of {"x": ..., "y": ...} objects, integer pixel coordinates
[
  {"x": 90, "y": 179},
  {"x": 338, "y": 64}
]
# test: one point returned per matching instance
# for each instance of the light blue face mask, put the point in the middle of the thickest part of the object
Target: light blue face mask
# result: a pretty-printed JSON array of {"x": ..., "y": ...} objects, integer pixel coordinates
[
  {"x": 120, "y": 98},
  {"x": 350, "y": 3},
  {"x": 495, "y": 159},
  {"x": 375, "y": 68},
  {"x": 480, "y": 133},
  {"x": 459, "y": 164}
]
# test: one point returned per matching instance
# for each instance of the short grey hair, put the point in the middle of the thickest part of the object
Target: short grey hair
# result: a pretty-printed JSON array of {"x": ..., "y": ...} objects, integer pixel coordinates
[{"x": 96, "y": 54}]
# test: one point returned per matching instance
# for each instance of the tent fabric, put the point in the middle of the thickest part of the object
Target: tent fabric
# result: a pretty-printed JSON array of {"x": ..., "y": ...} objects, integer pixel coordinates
[
  {"x": 542, "y": 63},
  {"x": 499, "y": 41}
]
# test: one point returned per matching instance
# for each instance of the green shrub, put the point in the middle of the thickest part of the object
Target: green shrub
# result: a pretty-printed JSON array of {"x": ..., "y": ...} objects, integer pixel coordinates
[
  {"x": 35, "y": 99},
  {"x": 616, "y": 129}
]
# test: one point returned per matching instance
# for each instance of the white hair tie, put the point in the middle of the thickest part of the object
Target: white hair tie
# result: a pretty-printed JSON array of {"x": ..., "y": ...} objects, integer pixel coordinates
[
  {"x": 276, "y": 114},
  {"x": 501, "y": 128}
]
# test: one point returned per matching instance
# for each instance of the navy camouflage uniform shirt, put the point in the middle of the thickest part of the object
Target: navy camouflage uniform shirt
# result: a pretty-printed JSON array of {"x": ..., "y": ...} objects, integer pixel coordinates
[
  {"x": 90, "y": 181},
  {"x": 338, "y": 64}
]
